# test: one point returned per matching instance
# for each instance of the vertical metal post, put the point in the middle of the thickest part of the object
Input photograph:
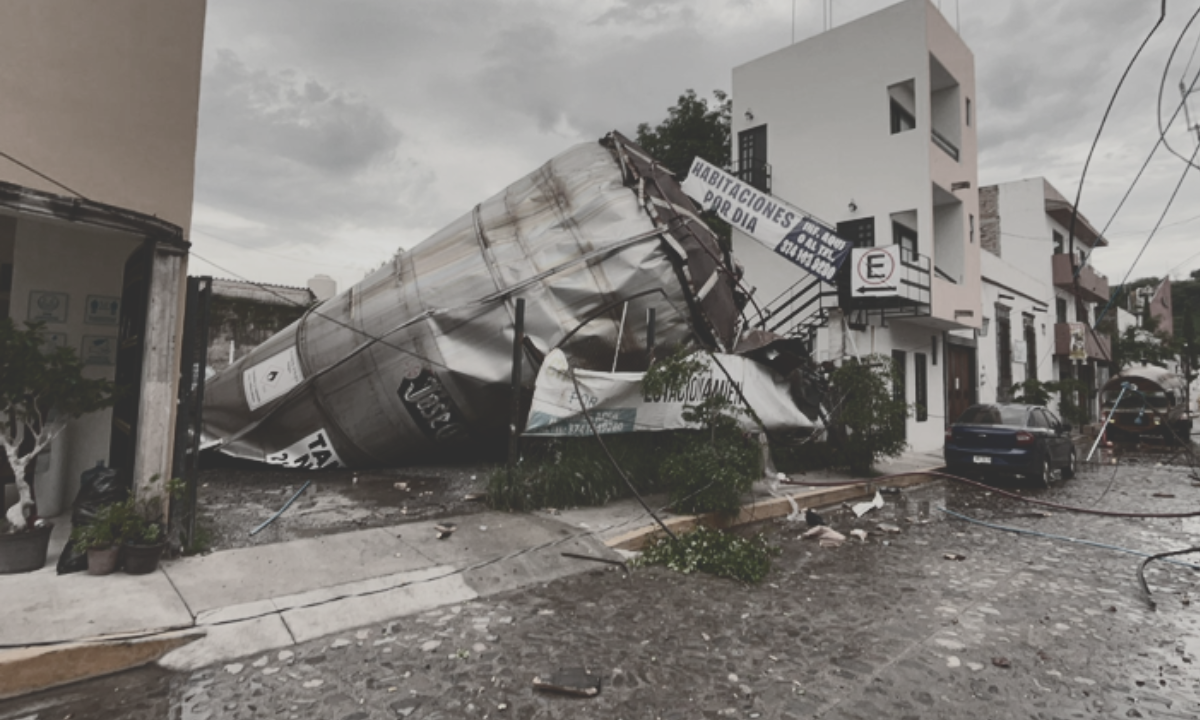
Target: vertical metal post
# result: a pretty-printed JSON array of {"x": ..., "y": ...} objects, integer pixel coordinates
[
  {"x": 514, "y": 447},
  {"x": 649, "y": 336}
]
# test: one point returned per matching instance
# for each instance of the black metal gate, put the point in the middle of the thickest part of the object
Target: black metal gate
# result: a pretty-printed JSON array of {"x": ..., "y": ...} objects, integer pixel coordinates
[
  {"x": 131, "y": 345},
  {"x": 193, "y": 366}
]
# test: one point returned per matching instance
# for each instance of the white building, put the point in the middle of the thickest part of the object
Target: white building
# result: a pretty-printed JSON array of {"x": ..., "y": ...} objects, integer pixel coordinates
[
  {"x": 871, "y": 128},
  {"x": 1032, "y": 306}
]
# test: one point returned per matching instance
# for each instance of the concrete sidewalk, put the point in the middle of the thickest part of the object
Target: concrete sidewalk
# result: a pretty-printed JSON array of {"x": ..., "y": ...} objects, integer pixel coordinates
[{"x": 250, "y": 600}]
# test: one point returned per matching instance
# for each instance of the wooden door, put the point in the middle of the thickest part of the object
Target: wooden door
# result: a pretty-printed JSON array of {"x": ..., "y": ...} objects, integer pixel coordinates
[{"x": 960, "y": 381}]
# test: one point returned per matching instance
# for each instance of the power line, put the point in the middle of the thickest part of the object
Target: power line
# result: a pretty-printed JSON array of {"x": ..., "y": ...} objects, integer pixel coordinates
[
  {"x": 1163, "y": 82},
  {"x": 44, "y": 176},
  {"x": 1104, "y": 119}
]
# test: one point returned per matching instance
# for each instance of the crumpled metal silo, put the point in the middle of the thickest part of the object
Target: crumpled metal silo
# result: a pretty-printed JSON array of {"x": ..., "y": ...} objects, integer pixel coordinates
[{"x": 414, "y": 362}]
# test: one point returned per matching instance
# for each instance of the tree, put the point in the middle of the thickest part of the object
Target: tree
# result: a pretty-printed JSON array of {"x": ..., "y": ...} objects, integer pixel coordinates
[
  {"x": 41, "y": 388},
  {"x": 692, "y": 128},
  {"x": 866, "y": 419}
]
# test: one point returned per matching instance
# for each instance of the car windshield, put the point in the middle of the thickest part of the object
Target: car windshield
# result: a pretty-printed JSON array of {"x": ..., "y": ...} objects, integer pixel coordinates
[{"x": 994, "y": 415}]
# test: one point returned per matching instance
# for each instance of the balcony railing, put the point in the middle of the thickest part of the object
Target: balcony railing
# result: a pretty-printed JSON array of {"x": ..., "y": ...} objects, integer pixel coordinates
[
  {"x": 1093, "y": 287},
  {"x": 1095, "y": 345},
  {"x": 944, "y": 143},
  {"x": 756, "y": 175}
]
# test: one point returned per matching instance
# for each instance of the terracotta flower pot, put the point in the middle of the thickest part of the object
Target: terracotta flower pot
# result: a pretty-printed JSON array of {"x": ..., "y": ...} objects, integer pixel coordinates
[
  {"x": 25, "y": 551},
  {"x": 142, "y": 559},
  {"x": 103, "y": 561}
]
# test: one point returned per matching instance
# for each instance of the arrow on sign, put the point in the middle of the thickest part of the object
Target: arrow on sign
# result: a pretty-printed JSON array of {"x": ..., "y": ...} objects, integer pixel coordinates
[{"x": 882, "y": 288}]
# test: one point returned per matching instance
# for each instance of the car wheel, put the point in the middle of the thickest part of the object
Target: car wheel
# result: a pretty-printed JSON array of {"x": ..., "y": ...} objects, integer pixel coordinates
[
  {"x": 1047, "y": 475},
  {"x": 1068, "y": 472}
]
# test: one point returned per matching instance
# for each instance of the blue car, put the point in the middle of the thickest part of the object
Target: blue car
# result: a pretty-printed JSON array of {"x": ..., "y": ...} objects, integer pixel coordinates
[{"x": 1010, "y": 439}]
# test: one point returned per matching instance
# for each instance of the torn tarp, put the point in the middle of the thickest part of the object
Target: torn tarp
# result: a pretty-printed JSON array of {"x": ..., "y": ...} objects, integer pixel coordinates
[
  {"x": 414, "y": 362},
  {"x": 616, "y": 402}
]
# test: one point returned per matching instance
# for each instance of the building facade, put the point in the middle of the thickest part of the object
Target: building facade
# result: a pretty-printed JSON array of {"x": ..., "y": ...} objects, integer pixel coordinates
[
  {"x": 98, "y": 136},
  {"x": 871, "y": 128},
  {"x": 1041, "y": 297}
]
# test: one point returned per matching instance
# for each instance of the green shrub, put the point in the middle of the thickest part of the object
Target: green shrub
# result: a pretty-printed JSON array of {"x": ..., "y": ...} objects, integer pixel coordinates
[
  {"x": 723, "y": 554},
  {"x": 866, "y": 420}
]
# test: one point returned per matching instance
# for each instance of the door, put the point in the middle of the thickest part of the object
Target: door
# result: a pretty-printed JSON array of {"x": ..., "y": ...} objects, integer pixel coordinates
[
  {"x": 131, "y": 340},
  {"x": 960, "y": 381}
]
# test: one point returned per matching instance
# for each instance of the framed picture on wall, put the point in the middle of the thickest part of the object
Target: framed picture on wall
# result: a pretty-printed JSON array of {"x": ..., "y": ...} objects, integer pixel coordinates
[
  {"x": 47, "y": 306},
  {"x": 102, "y": 310},
  {"x": 98, "y": 350}
]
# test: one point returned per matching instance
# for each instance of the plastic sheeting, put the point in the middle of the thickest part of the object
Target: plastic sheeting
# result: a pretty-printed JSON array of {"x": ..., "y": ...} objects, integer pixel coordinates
[{"x": 414, "y": 362}]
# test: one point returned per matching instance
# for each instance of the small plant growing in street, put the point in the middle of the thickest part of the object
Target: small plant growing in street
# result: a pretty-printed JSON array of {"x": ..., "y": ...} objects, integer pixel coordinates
[{"x": 715, "y": 552}]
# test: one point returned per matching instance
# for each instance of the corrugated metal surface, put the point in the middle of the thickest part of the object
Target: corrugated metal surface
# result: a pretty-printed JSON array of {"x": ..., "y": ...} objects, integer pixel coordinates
[{"x": 414, "y": 361}]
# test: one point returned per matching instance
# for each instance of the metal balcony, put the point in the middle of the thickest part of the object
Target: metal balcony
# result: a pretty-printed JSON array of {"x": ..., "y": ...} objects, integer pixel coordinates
[
  {"x": 1093, "y": 287},
  {"x": 1095, "y": 345}
]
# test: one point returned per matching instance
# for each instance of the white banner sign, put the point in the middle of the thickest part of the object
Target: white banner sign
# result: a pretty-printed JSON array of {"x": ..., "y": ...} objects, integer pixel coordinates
[
  {"x": 616, "y": 403},
  {"x": 774, "y": 223},
  {"x": 271, "y": 378}
]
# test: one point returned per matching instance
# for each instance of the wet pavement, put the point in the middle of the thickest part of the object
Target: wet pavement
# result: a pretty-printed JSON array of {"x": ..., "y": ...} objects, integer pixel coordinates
[
  {"x": 1020, "y": 626},
  {"x": 234, "y": 501}
]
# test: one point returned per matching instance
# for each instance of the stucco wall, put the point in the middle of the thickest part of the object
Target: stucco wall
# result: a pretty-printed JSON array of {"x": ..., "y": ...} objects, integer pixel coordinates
[{"x": 103, "y": 97}]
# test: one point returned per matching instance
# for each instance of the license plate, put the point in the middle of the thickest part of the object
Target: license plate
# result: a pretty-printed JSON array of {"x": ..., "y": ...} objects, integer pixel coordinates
[{"x": 983, "y": 460}]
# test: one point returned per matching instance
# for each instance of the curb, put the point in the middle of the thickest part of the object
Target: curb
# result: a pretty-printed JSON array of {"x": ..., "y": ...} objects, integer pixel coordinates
[
  {"x": 32, "y": 669},
  {"x": 767, "y": 509}
]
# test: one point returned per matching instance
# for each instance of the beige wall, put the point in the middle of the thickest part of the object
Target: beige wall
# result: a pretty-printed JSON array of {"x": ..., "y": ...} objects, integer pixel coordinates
[{"x": 103, "y": 97}]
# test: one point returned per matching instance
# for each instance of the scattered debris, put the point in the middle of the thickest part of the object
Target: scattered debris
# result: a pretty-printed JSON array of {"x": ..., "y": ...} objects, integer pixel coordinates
[
  {"x": 888, "y": 528},
  {"x": 619, "y": 563},
  {"x": 474, "y": 497},
  {"x": 863, "y": 508},
  {"x": 813, "y": 519},
  {"x": 234, "y": 668},
  {"x": 827, "y": 536},
  {"x": 1162, "y": 495},
  {"x": 859, "y": 533},
  {"x": 571, "y": 681},
  {"x": 401, "y": 486},
  {"x": 954, "y": 556},
  {"x": 445, "y": 530},
  {"x": 1001, "y": 662}
]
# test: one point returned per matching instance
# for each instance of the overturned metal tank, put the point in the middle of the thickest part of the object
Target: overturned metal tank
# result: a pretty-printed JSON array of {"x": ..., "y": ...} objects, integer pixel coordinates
[{"x": 414, "y": 362}]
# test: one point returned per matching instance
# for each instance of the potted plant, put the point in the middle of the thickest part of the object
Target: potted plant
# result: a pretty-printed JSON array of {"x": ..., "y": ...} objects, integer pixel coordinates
[
  {"x": 101, "y": 539},
  {"x": 41, "y": 389},
  {"x": 143, "y": 528}
]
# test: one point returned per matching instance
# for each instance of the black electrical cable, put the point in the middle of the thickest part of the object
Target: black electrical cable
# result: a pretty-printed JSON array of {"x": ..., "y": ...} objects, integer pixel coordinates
[
  {"x": 1188, "y": 91},
  {"x": 1104, "y": 119},
  {"x": 1141, "y": 573},
  {"x": 44, "y": 176},
  {"x": 616, "y": 466}
]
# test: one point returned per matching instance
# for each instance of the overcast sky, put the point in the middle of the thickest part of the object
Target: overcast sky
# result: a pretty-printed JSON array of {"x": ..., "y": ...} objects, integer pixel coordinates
[{"x": 333, "y": 133}]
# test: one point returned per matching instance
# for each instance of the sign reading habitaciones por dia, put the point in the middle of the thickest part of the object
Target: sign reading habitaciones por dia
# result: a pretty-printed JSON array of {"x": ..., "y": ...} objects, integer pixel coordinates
[{"x": 785, "y": 229}]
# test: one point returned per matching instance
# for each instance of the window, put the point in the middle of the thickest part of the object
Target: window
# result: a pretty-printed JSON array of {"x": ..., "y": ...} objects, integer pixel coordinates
[
  {"x": 901, "y": 119},
  {"x": 900, "y": 368},
  {"x": 1058, "y": 243},
  {"x": 1003, "y": 354},
  {"x": 920, "y": 379},
  {"x": 902, "y": 98},
  {"x": 1060, "y": 310},
  {"x": 968, "y": 112},
  {"x": 906, "y": 238},
  {"x": 1081, "y": 313},
  {"x": 752, "y": 164},
  {"x": 972, "y": 235},
  {"x": 1038, "y": 420},
  {"x": 859, "y": 233},
  {"x": 1031, "y": 358}
]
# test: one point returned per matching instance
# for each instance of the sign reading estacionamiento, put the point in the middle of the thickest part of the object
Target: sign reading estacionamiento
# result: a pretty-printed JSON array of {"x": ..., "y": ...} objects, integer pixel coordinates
[{"x": 785, "y": 229}]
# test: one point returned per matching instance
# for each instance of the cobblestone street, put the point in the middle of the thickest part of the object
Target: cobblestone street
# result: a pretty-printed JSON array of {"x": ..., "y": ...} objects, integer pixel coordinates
[{"x": 1021, "y": 626}]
